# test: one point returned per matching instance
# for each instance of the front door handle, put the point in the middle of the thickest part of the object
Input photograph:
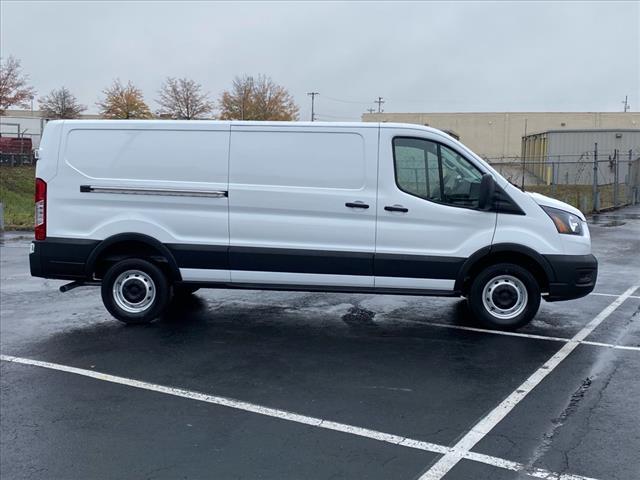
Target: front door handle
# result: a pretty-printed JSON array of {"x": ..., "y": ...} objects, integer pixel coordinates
[
  {"x": 356, "y": 205},
  {"x": 396, "y": 208}
]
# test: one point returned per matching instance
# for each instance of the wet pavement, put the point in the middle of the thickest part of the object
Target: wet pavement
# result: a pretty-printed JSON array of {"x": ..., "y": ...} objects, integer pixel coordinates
[{"x": 414, "y": 367}]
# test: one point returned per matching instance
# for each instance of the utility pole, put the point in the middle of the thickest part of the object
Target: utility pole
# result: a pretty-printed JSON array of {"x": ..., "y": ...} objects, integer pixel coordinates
[
  {"x": 313, "y": 104},
  {"x": 627, "y": 107},
  {"x": 379, "y": 101},
  {"x": 371, "y": 110},
  {"x": 594, "y": 192},
  {"x": 616, "y": 176},
  {"x": 524, "y": 153}
]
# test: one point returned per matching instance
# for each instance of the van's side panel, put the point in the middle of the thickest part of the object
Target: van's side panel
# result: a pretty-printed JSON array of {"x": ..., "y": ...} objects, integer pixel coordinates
[
  {"x": 425, "y": 247},
  {"x": 288, "y": 193},
  {"x": 167, "y": 180}
]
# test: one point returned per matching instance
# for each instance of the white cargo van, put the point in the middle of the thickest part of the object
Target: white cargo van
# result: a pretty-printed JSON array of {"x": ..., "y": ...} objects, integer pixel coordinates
[{"x": 151, "y": 209}]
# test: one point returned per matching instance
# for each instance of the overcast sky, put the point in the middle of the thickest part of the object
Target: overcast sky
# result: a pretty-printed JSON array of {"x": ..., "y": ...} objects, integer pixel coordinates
[{"x": 421, "y": 57}]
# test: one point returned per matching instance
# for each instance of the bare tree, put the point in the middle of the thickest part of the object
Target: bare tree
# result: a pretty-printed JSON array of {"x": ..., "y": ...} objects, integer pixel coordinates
[
  {"x": 257, "y": 98},
  {"x": 183, "y": 99},
  {"x": 14, "y": 89},
  {"x": 123, "y": 101},
  {"x": 61, "y": 103}
]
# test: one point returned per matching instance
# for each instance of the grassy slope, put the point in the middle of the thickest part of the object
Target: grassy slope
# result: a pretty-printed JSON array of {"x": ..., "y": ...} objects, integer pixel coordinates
[{"x": 16, "y": 194}]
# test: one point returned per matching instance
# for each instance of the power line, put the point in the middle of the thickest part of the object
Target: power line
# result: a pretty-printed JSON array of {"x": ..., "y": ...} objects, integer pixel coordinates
[
  {"x": 340, "y": 100},
  {"x": 336, "y": 117},
  {"x": 313, "y": 102}
]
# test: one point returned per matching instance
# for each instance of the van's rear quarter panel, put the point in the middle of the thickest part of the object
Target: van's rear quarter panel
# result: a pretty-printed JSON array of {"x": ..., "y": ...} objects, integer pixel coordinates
[{"x": 108, "y": 154}]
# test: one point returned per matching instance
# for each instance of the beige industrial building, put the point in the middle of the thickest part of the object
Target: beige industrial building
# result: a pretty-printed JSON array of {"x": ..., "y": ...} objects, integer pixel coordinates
[{"x": 498, "y": 135}]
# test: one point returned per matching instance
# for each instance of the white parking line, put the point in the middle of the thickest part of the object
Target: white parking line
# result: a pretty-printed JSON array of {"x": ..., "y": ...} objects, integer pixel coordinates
[
  {"x": 298, "y": 418},
  {"x": 608, "y": 345},
  {"x": 518, "y": 334},
  {"x": 237, "y": 404},
  {"x": 519, "y": 467},
  {"x": 486, "y": 424},
  {"x": 611, "y": 295}
]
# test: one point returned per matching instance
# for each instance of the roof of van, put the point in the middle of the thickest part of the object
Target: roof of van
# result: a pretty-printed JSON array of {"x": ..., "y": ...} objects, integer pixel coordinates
[{"x": 218, "y": 123}]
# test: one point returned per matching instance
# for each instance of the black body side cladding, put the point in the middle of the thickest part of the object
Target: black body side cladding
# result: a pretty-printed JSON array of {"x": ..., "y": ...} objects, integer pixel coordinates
[
  {"x": 61, "y": 258},
  {"x": 417, "y": 266},
  {"x": 569, "y": 276},
  {"x": 137, "y": 238},
  {"x": 300, "y": 261},
  {"x": 200, "y": 256}
]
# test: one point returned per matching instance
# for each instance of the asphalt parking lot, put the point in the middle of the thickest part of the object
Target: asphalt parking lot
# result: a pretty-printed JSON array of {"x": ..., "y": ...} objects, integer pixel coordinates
[{"x": 273, "y": 385}]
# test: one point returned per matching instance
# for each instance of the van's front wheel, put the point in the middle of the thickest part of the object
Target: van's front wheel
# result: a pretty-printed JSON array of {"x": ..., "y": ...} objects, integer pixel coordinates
[
  {"x": 504, "y": 296},
  {"x": 135, "y": 291}
]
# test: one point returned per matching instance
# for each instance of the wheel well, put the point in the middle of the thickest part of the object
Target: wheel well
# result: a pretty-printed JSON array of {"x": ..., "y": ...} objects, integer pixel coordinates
[
  {"x": 121, "y": 250},
  {"x": 517, "y": 258}
]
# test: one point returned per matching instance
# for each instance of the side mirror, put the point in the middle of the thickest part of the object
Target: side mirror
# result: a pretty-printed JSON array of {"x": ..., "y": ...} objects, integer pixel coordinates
[{"x": 487, "y": 192}]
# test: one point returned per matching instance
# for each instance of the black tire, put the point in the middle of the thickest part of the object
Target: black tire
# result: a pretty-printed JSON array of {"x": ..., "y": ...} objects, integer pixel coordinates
[
  {"x": 143, "y": 293},
  {"x": 505, "y": 306},
  {"x": 184, "y": 290}
]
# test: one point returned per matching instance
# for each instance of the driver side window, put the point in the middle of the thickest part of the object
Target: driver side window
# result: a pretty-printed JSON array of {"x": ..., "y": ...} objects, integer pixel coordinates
[{"x": 434, "y": 172}]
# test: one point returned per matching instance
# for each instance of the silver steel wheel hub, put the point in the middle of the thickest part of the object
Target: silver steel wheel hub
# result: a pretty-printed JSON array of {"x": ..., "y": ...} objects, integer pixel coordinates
[
  {"x": 505, "y": 297},
  {"x": 134, "y": 291}
]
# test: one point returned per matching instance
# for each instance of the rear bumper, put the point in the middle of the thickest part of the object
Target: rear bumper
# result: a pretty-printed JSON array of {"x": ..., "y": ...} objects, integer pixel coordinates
[
  {"x": 574, "y": 276},
  {"x": 60, "y": 258}
]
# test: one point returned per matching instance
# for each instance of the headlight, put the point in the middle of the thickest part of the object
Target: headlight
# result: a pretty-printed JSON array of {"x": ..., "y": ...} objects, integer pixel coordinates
[{"x": 565, "y": 222}]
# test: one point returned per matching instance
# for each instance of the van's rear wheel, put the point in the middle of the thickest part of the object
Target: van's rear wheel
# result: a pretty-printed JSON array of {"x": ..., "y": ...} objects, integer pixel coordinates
[
  {"x": 135, "y": 291},
  {"x": 504, "y": 296}
]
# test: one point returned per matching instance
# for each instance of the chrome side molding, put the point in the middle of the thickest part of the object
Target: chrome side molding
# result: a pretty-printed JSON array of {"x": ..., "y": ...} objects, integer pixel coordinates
[{"x": 172, "y": 192}]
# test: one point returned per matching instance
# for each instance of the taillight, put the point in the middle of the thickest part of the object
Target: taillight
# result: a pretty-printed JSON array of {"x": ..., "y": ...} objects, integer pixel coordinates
[{"x": 41, "y": 209}]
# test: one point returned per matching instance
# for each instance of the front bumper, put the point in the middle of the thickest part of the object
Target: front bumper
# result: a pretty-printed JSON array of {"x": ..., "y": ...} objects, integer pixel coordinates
[{"x": 574, "y": 276}]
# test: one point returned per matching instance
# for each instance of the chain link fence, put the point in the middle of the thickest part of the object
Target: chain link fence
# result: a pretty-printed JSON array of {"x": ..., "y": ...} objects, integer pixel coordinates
[{"x": 591, "y": 181}]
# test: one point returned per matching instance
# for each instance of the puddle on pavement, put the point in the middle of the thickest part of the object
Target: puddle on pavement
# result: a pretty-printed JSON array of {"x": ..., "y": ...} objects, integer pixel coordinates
[
  {"x": 612, "y": 223},
  {"x": 615, "y": 220},
  {"x": 358, "y": 317}
]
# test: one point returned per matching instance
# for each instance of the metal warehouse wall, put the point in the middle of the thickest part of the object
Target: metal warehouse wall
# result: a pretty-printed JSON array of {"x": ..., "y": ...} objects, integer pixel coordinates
[
  {"x": 571, "y": 147},
  {"x": 499, "y": 135},
  {"x": 565, "y": 143},
  {"x": 566, "y": 157}
]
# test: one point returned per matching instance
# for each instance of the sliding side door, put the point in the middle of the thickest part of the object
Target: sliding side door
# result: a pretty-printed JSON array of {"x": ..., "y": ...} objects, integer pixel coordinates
[{"x": 302, "y": 205}]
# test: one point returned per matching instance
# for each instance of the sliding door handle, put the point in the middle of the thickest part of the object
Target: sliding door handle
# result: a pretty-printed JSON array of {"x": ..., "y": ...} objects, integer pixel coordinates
[
  {"x": 396, "y": 208},
  {"x": 356, "y": 205}
]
